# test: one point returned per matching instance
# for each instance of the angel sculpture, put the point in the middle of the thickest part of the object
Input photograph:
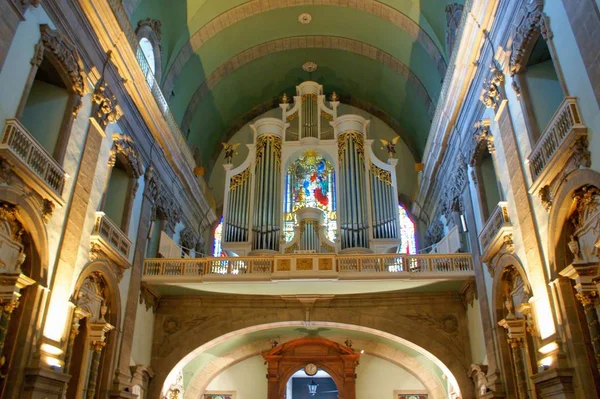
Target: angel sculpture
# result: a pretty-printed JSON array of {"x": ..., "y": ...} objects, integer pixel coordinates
[
  {"x": 390, "y": 146},
  {"x": 229, "y": 151}
]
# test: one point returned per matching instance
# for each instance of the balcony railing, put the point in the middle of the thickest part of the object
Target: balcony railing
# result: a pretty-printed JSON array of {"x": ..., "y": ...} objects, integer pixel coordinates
[
  {"x": 42, "y": 170},
  {"x": 108, "y": 234},
  {"x": 329, "y": 265},
  {"x": 562, "y": 131},
  {"x": 491, "y": 237}
]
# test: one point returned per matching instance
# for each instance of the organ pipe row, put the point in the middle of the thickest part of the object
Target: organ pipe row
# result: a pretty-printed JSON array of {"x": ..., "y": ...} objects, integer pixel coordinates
[{"x": 355, "y": 197}]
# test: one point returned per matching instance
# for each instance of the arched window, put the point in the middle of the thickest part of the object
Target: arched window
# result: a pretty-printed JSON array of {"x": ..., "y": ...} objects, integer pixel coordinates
[
  {"x": 147, "y": 51},
  {"x": 408, "y": 243},
  {"x": 217, "y": 249}
]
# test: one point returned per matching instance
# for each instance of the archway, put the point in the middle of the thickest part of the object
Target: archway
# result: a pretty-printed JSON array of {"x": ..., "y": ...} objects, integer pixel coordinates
[
  {"x": 432, "y": 380},
  {"x": 311, "y": 354}
]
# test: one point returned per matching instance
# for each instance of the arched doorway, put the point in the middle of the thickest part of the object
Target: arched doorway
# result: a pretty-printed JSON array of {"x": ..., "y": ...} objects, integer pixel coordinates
[{"x": 311, "y": 355}]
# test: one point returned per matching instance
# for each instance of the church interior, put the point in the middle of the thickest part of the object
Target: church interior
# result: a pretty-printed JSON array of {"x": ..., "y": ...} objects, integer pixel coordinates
[{"x": 299, "y": 199}]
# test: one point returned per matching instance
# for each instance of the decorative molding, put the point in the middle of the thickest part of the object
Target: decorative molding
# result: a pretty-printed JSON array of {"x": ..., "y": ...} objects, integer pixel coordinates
[
  {"x": 492, "y": 93},
  {"x": 468, "y": 292},
  {"x": 149, "y": 297},
  {"x": 528, "y": 24},
  {"x": 9, "y": 213},
  {"x": 478, "y": 373},
  {"x": 107, "y": 109},
  {"x": 66, "y": 54},
  {"x": 189, "y": 238},
  {"x": 153, "y": 24},
  {"x": 124, "y": 146},
  {"x": 453, "y": 16},
  {"x": 482, "y": 140}
]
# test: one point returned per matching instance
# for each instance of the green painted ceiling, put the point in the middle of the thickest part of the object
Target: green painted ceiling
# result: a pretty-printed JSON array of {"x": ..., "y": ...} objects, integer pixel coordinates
[{"x": 418, "y": 24}]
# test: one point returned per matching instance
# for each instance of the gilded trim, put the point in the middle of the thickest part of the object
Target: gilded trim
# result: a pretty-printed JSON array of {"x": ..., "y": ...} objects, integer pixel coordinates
[
  {"x": 383, "y": 175},
  {"x": 239, "y": 179}
]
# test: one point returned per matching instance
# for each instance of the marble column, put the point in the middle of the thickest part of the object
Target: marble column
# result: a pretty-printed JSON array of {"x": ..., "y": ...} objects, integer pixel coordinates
[
  {"x": 587, "y": 294},
  {"x": 6, "y": 309},
  {"x": 516, "y": 330},
  {"x": 97, "y": 347},
  {"x": 78, "y": 315}
]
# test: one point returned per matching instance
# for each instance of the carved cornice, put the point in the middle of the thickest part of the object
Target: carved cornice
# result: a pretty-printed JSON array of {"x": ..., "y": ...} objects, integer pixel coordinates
[
  {"x": 529, "y": 23},
  {"x": 124, "y": 146},
  {"x": 66, "y": 54},
  {"x": 482, "y": 140},
  {"x": 153, "y": 184},
  {"x": 168, "y": 209}
]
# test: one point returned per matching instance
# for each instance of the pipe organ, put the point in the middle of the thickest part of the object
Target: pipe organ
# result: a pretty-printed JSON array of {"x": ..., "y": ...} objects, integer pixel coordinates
[{"x": 310, "y": 184}]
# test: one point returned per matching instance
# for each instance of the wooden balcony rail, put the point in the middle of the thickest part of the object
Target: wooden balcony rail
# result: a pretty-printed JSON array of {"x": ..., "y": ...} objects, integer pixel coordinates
[
  {"x": 494, "y": 229},
  {"x": 265, "y": 265},
  {"x": 565, "y": 126},
  {"x": 23, "y": 146},
  {"x": 111, "y": 234}
]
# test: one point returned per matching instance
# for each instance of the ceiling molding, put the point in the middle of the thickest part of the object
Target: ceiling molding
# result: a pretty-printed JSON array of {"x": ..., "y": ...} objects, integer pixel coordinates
[
  {"x": 303, "y": 42},
  {"x": 255, "y": 7}
]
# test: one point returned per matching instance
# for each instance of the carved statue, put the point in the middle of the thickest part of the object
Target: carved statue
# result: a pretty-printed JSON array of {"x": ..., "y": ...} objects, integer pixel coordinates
[
  {"x": 574, "y": 248},
  {"x": 390, "y": 146},
  {"x": 229, "y": 151}
]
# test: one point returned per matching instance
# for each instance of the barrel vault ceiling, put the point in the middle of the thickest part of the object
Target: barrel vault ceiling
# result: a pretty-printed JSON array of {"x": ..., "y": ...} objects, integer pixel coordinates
[{"x": 221, "y": 59}]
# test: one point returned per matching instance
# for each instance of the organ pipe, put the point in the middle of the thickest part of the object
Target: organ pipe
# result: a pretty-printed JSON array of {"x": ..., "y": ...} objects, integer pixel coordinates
[{"x": 266, "y": 229}]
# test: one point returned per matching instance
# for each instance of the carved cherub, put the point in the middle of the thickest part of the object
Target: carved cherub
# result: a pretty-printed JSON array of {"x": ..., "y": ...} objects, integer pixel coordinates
[
  {"x": 390, "y": 146},
  {"x": 229, "y": 151}
]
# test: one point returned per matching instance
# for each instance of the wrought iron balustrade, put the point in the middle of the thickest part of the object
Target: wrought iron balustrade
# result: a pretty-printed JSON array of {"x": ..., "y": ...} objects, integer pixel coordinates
[
  {"x": 110, "y": 234},
  {"x": 21, "y": 146},
  {"x": 562, "y": 131},
  {"x": 498, "y": 225},
  {"x": 384, "y": 264}
]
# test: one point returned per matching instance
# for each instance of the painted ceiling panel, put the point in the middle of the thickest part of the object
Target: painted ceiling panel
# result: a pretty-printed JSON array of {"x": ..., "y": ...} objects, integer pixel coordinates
[{"x": 234, "y": 40}]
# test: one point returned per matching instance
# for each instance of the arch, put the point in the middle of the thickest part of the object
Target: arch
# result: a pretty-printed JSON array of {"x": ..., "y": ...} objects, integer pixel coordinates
[
  {"x": 560, "y": 209},
  {"x": 200, "y": 381},
  {"x": 254, "y": 7},
  {"x": 500, "y": 267},
  {"x": 150, "y": 29},
  {"x": 110, "y": 352},
  {"x": 303, "y": 42},
  {"x": 171, "y": 363},
  {"x": 30, "y": 215}
]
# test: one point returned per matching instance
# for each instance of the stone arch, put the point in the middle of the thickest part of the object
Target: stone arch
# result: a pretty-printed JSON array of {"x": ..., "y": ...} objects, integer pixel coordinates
[
  {"x": 254, "y": 7},
  {"x": 303, "y": 42},
  {"x": 560, "y": 210},
  {"x": 30, "y": 212},
  {"x": 168, "y": 361},
  {"x": 102, "y": 269},
  {"x": 24, "y": 224},
  {"x": 200, "y": 381},
  {"x": 526, "y": 32},
  {"x": 505, "y": 265}
]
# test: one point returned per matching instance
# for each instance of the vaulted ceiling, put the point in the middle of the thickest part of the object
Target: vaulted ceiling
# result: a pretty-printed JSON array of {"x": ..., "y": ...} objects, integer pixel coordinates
[{"x": 223, "y": 58}]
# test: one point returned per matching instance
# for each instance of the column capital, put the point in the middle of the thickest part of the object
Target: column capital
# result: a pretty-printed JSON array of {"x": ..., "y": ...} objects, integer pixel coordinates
[
  {"x": 516, "y": 328},
  {"x": 587, "y": 298}
]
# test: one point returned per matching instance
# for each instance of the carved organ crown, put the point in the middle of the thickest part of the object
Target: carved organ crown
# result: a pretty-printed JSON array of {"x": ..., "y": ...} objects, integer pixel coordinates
[{"x": 311, "y": 183}]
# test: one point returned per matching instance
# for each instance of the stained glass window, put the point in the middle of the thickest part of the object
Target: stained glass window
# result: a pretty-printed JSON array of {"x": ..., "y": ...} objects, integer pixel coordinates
[
  {"x": 217, "y": 250},
  {"x": 310, "y": 182},
  {"x": 408, "y": 243}
]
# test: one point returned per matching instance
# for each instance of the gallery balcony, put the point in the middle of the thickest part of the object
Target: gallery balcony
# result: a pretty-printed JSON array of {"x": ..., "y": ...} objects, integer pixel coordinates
[
  {"x": 305, "y": 273},
  {"x": 553, "y": 150},
  {"x": 496, "y": 232},
  {"x": 31, "y": 162},
  {"x": 108, "y": 238}
]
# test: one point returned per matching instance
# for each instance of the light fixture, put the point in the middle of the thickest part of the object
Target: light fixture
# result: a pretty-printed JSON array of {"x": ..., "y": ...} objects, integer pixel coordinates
[{"x": 312, "y": 388}]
